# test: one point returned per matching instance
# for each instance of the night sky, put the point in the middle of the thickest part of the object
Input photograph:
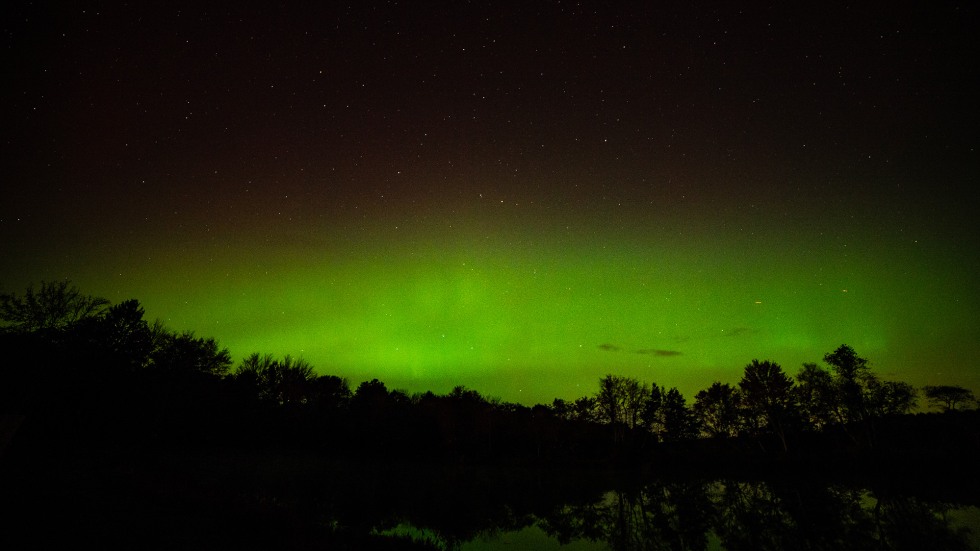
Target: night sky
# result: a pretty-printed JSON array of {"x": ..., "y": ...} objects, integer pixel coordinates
[{"x": 517, "y": 197}]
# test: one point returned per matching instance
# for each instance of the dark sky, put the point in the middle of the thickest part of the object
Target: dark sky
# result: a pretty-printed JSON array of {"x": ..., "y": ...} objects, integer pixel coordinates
[{"x": 515, "y": 196}]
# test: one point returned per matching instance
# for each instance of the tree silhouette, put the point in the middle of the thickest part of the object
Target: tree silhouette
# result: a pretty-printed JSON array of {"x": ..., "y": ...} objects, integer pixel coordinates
[
  {"x": 620, "y": 400},
  {"x": 286, "y": 381},
  {"x": 185, "y": 353},
  {"x": 561, "y": 409},
  {"x": 370, "y": 395},
  {"x": 295, "y": 378},
  {"x": 816, "y": 395},
  {"x": 889, "y": 397},
  {"x": 665, "y": 413},
  {"x": 610, "y": 399},
  {"x": 948, "y": 397},
  {"x": 120, "y": 336},
  {"x": 858, "y": 397},
  {"x": 584, "y": 409},
  {"x": 372, "y": 403},
  {"x": 717, "y": 410},
  {"x": 56, "y": 305},
  {"x": 678, "y": 421},
  {"x": 768, "y": 398},
  {"x": 852, "y": 373},
  {"x": 636, "y": 394},
  {"x": 251, "y": 372},
  {"x": 330, "y": 393},
  {"x": 652, "y": 415}
]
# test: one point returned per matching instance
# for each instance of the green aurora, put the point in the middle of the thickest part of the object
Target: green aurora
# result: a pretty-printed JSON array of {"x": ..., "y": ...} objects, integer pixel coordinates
[
  {"x": 519, "y": 198},
  {"x": 528, "y": 306}
]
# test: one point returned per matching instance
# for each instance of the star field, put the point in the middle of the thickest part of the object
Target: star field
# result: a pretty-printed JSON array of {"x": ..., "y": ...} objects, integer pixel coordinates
[{"x": 517, "y": 197}]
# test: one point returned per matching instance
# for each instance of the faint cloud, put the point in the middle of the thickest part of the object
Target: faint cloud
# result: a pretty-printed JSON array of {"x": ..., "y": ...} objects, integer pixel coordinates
[
  {"x": 738, "y": 331},
  {"x": 658, "y": 352},
  {"x": 647, "y": 351}
]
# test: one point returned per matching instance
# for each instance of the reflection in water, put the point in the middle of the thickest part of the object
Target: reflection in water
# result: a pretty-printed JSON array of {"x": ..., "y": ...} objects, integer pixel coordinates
[
  {"x": 730, "y": 515},
  {"x": 530, "y": 537}
]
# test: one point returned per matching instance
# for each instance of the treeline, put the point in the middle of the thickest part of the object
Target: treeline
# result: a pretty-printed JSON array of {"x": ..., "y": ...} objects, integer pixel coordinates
[{"x": 77, "y": 367}]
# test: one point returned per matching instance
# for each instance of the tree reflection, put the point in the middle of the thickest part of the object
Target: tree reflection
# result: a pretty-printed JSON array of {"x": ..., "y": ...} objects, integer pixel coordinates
[
  {"x": 662, "y": 515},
  {"x": 756, "y": 515},
  {"x": 902, "y": 523},
  {"x": 750, "y": 516}
]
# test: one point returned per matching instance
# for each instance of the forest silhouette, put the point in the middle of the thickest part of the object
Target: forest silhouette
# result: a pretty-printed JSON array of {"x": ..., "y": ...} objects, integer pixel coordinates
[{"x": 87, "y": 382}]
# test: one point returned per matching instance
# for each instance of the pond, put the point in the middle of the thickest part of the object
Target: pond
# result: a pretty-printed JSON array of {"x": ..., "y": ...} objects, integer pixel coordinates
[
  {"x": 301, "y": 501},
  {"x": 725, "y": 515}
]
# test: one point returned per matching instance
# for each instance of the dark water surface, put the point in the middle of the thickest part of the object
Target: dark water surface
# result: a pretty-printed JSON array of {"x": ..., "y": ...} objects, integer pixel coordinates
[
  {"x": 730, "y": 515},
  {"x": 301, "y": 501},
  {"x": 863, "y": 521}
]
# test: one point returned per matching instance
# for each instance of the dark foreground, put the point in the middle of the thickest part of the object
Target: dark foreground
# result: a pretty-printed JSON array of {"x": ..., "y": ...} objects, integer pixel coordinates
[
  {"x": 213, "y": 497},
  {"x": 116, "y": 434}
]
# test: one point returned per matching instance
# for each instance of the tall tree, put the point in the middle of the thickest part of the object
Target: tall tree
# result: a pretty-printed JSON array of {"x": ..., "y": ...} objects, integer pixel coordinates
[
  {"x": 859, "y": 397},
  {"x": 620, "y": 400},
  {"x": 665, "y": 414},
  {"x": 652, "y": 415},
  {"x": 678, "y": 421},
  {"x": 767, "y": 395},
  {"x": 816, "y": 395},
  {"x": 121, "y": 335},
  {"x": 609, "y": 400},
  {"x": 634, "y": 397},
  {"x": 852, "y": 374},
  {"x": 717, "y": 410}
]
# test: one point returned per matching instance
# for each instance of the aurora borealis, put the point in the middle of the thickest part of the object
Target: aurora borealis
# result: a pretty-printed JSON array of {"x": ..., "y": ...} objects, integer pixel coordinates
[{"x": 515, "y": 197}]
